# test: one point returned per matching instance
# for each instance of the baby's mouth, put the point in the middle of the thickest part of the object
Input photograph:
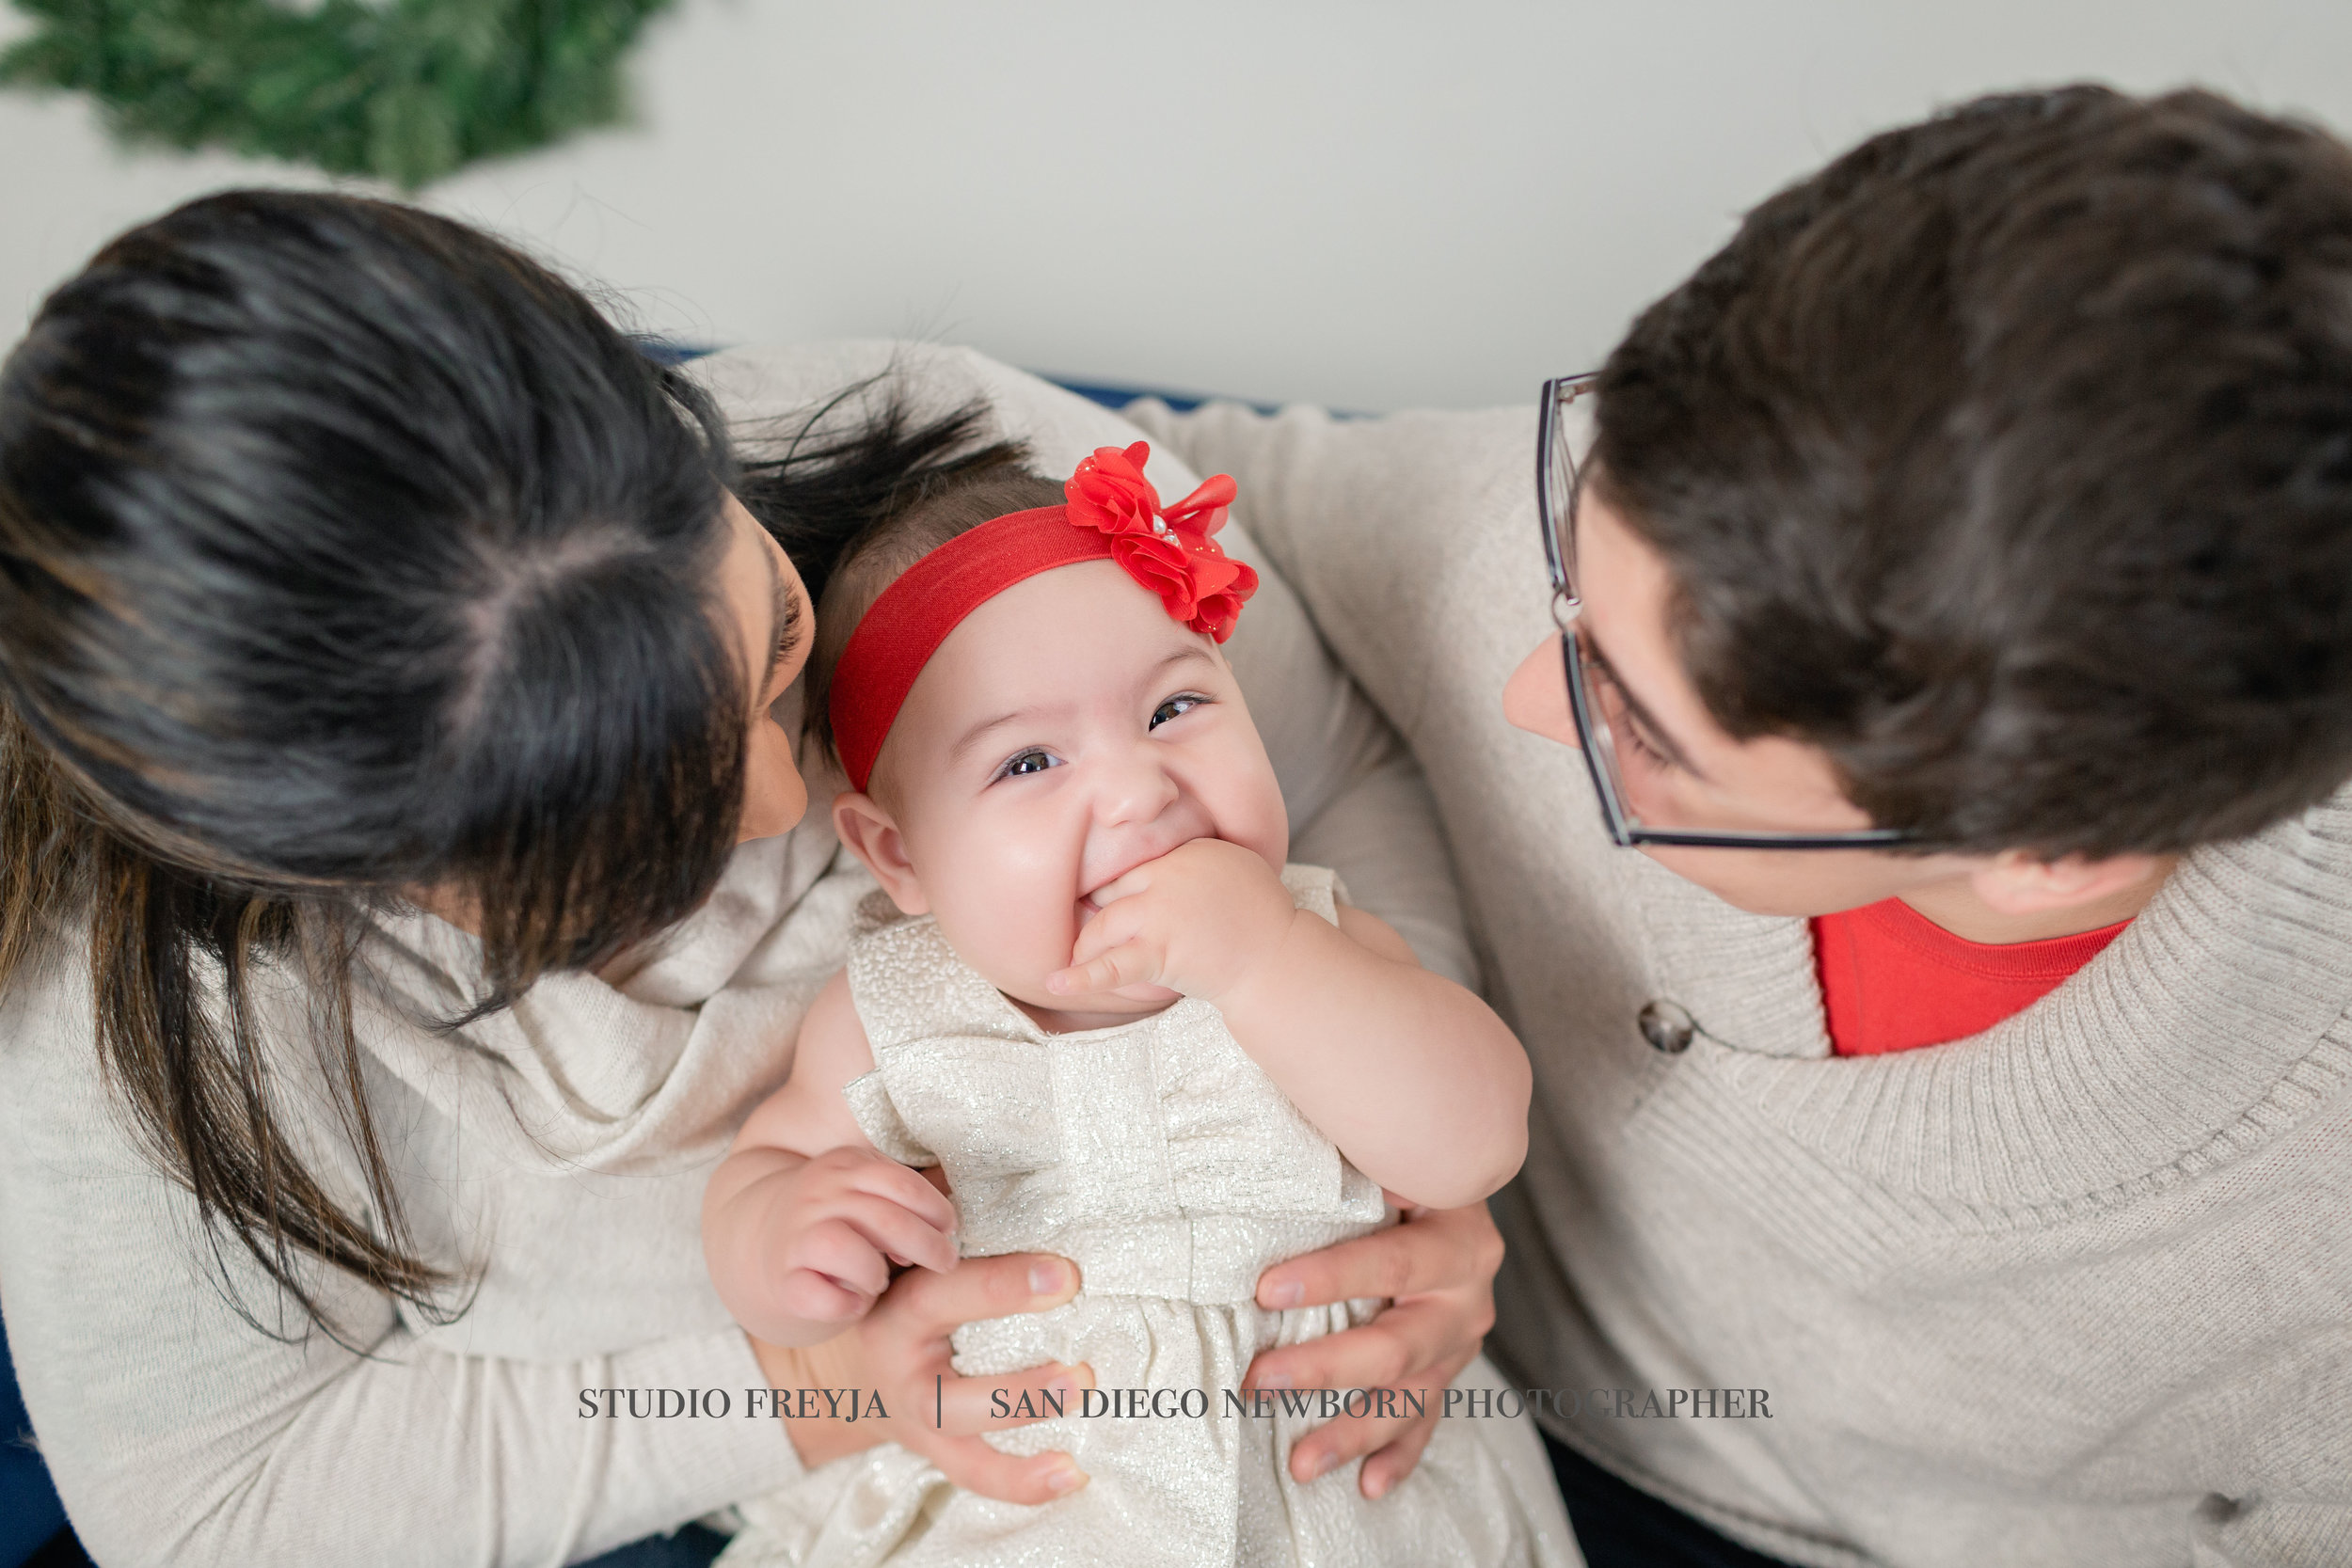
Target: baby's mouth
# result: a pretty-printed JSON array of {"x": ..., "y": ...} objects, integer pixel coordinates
[{"x": 1090, "y": 902}]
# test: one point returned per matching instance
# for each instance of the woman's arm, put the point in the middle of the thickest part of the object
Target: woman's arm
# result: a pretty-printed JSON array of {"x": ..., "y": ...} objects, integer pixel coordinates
[{"x": 179, "y": 1432}]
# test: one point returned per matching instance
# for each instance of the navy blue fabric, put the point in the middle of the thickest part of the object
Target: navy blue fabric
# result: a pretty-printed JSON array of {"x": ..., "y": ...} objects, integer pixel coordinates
[
  {"x": 669, "y": 351},
  {"x": 1110, "y": 394},
  {"x": 1620, "y": 1526},
  {"x": 29, "y": 1511},
  {"x": 63, "y": 1551},
  {"x": 691, "y": 1547},
  {"x": 1113, "y": 394}
]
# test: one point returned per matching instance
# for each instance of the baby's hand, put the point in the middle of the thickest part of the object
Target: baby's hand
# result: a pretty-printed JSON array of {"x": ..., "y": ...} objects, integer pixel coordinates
[
  {"x": 1196, "y": 920},
  {"x": 838, "y": 1222}
]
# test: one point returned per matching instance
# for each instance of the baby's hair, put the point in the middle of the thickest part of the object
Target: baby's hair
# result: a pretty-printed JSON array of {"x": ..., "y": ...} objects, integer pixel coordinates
[{"x": 855, "y": 511}]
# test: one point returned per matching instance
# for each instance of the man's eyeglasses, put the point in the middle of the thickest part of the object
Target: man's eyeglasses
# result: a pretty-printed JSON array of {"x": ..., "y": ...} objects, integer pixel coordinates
[{"x": 1599, "y": 707}]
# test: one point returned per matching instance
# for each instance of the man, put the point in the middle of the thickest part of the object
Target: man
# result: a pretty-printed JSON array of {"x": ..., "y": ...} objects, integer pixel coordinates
[{"x": 1943, "y": 1147}]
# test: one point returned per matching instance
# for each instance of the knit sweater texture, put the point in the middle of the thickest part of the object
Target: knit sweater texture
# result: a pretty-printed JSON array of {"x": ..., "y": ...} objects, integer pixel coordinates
[{"x": 2074, "y": 1292}]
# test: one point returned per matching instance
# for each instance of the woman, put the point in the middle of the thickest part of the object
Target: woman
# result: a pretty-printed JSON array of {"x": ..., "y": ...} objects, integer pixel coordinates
[{"x": 389, "y": 679}]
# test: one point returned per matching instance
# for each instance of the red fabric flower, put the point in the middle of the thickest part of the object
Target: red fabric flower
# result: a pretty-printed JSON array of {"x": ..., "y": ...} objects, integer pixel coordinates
[{"x": 1167, "y": 550}]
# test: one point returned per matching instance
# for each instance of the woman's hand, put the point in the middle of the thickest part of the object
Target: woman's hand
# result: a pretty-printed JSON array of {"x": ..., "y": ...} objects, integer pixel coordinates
[
  {"x": 899, "y": 1350},
  {"x": 1439, "y": 1267}
]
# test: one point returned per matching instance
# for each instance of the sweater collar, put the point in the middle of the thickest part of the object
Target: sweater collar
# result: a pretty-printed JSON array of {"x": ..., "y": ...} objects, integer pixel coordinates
[{"x": 2202, "y": 1031}]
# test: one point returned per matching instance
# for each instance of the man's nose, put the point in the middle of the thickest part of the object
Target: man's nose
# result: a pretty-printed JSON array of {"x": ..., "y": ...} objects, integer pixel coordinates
[
  {"x": 1536, "y": 698},
  {"x": 1135, "y": 786}
]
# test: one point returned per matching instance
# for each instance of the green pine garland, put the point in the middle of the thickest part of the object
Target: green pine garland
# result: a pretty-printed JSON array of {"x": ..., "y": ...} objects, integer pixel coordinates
[{"x": 405, "y": 90}]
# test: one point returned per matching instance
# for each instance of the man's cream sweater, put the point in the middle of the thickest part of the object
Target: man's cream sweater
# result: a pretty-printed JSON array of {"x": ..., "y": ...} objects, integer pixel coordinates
[{"x": 2074, "y": 1292}]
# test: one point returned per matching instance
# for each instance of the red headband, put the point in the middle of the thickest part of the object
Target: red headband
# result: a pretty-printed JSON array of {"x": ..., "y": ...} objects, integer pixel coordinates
[{"x": 1113, "y": 513}]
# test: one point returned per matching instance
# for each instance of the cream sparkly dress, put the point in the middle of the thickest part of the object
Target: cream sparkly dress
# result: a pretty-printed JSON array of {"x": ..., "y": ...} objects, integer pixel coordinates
[{"x": 1165, "y": 1162}]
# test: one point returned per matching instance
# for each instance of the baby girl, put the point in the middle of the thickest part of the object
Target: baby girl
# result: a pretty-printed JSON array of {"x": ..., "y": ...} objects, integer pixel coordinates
[{"x": 1094, "y": 993}]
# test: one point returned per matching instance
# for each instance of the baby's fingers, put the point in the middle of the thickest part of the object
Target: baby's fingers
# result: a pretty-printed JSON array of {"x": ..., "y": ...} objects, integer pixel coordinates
[
  {"x": 911, "y": 1190},
  {"x": 889, "y": 1228},
  {"x": 837, "y": 1249},
  {"x": 807, "y": 1294},
  {"x": 1131, "y": 963}
]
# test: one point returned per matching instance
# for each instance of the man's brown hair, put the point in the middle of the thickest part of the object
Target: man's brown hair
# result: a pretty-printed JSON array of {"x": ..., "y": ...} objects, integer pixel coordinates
[{"x": 2009, "y": 459}]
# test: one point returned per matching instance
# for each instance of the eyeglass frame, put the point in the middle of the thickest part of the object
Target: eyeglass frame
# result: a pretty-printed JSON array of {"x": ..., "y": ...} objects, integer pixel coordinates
[{"x": 1592, "y": 732}]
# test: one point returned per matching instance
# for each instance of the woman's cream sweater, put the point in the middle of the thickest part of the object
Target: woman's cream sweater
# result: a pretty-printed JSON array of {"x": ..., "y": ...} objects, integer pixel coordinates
[{"x": 2075, "y": 1292}]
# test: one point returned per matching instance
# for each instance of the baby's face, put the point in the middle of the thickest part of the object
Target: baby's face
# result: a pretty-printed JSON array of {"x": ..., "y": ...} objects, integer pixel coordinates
[{"x": 1065, "y": 733}]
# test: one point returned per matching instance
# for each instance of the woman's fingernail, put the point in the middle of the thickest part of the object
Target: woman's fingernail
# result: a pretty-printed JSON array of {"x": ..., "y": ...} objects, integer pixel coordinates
[
  {"x": 1046, "y": 1279},
  {"x": 1376, "y": 1487},
  {"x": 1065, "y": 1478},
  {"x": 1287, "y": 1294},
  {"x": 1061, "y": 1382},
  {"x": 1321, "y": 1464},
  {"x": 1271, "y": 1380}
]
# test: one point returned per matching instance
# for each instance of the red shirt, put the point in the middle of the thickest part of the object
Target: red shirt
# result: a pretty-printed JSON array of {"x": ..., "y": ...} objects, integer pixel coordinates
[{"x": 1893, "y": 979}]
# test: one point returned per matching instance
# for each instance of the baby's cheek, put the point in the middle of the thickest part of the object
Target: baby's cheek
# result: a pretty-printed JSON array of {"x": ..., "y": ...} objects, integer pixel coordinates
[
  {"x": 1261, "y": 823},
  {"x": 1016, "y": 936}
]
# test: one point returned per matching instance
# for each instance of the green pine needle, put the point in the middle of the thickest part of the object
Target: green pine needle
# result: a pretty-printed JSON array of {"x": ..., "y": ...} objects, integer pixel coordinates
[{"x": 408, "y": 91}]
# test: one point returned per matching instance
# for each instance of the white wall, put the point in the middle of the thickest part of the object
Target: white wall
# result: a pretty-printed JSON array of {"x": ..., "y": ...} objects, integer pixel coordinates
[{"x": 1368, "y": 203}]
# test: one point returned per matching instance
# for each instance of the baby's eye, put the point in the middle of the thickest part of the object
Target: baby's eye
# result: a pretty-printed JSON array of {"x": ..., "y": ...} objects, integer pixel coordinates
[
  {"x": 1030, "y": 761},
  {"x": 1175, "y": 707}
]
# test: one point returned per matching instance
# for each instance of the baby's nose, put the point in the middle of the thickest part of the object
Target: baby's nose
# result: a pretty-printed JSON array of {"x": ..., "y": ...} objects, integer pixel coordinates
[{"x": 1133, "y": 787}]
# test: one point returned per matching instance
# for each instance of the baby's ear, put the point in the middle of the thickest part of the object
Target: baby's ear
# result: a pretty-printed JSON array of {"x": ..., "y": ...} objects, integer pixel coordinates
[{"x": 867, "y": 827}]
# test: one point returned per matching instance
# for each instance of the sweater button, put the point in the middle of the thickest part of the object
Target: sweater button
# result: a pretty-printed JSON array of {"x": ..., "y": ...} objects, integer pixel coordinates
[{"x": 1667, "y": 1027}]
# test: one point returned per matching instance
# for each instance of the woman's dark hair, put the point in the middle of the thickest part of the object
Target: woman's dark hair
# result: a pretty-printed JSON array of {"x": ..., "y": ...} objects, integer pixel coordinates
[
  {"x": 2009, "y": 459},
  {"x": 344, "y": 552}
]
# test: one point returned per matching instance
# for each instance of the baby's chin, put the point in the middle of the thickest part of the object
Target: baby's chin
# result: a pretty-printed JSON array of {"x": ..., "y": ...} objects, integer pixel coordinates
[{"x": 1101, "y": 1010}]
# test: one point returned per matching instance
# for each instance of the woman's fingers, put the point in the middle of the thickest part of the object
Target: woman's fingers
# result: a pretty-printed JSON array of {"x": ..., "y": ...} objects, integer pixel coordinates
[
  {"x": 929, "y": 1307},
  {"x": 963, "y": 1406},
  {"x": 1436, "y": 1249},
  {"x": 976, "y": 1467},
  {"x": 901, "y": 1348}
]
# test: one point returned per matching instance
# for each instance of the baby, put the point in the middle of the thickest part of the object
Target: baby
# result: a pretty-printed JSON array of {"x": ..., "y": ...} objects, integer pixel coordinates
[{"x": 1092, "y": 991}]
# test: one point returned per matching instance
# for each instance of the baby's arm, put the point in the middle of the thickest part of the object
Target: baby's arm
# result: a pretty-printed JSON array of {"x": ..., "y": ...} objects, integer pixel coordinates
[
  {"x": 1416, "y": 1079},
  {"x": 802, "y": 1220}
]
